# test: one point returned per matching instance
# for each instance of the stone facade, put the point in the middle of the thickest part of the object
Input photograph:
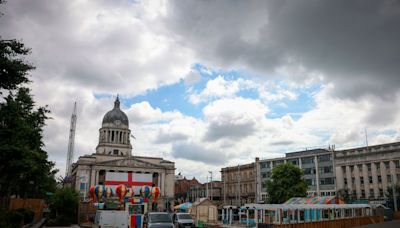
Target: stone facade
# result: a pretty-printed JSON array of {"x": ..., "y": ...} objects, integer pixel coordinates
[
  {"x": 213, "y": 189},
  {"x": 239, "y": 184},
  {"x": 367, "y": 172},
  {"x": 113, "y": 154}
]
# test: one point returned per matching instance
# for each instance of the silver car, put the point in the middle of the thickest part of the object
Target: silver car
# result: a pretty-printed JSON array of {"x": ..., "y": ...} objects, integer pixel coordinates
[
  {"x": 183, "y": 220},
  {"x": 158, "y": 220}
]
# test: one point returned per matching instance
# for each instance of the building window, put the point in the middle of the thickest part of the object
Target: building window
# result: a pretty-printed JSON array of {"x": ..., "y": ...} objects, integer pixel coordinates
[
  {"x": 307, "y": 160},
  {"x": 308, "y": 171},
  {"x": 397, "y": 163},
  {"x": 115, "y": 152},
  {"x": 389, "y": 178},
  {"x": 362, "y": 180},
  {"x": 323, "y": 158},
  {"x": 379, "y": 179},
  {"x": 378, "y": 167},
  {"x": 370, "y": 179},
  {"x": 310, "y": 182},
  {"x": 326, "y": 181},
  {"x": 264, "y": 175},
  {"x": 387, "y": 166},
  {"x": 326, "y": 169},
  {"x": 371, "y": 193},
  {"x": 276, "y": 163},
  {"x": 262, "y": 165},
  {"x": 345, "y": 181},
  {"x": 381, "y": 192},
  {"x": 294, "y": 161},
  {"x": 369, "y": 167}
]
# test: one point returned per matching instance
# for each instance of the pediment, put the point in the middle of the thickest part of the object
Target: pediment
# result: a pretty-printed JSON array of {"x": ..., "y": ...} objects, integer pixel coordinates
[{"x": 131, "y": 163}]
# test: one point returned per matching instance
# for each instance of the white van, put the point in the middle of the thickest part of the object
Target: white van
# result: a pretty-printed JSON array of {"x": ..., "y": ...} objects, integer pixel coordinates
[{"x": 111, "y": 219}]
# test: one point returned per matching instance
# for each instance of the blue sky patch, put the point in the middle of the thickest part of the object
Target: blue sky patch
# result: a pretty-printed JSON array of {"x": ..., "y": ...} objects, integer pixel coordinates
[{"x": 176, "y": 96}]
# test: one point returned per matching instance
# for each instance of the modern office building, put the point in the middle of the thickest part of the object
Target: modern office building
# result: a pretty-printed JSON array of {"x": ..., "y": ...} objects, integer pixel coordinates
[
  {"x": 318, "y": 167},
  {"x": 368, "y": 172}
]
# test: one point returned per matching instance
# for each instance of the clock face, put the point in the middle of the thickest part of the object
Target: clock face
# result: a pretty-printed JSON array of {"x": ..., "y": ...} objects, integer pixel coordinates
[{"x": 117, "y": 122}]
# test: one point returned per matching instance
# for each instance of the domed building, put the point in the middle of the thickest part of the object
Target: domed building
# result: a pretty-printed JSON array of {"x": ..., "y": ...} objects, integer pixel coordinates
[
  {"x": 113, "y": 163},
  {"x": 114, "y": 133}
]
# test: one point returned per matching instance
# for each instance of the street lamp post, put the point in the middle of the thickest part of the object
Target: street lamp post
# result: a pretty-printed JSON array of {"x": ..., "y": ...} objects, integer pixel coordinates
[
  {"x": 211, "y": 185},
  {"x": 207, "y": 186}
]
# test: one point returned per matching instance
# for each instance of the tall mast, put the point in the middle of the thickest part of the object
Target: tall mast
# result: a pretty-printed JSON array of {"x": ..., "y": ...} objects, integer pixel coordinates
[{"x": 71, "y": 142}]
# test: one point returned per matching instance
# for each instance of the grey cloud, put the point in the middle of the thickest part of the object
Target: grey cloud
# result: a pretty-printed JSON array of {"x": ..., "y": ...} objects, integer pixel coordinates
[
  {"x": 354, "y": 43},
  {"x": 199, "y": 153},
  {"x": 382, "y": 113},
  {"x": 282, "y": 143},
  {"x": 229, "y": 130},
  {"x": 169, "y": 137}
]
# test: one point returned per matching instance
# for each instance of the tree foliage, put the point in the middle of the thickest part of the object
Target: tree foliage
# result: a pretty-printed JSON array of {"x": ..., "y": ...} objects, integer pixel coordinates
[
  {"x": 389, "y": 191},
  {"x": 14, "y": 69},
  {"x": 344, "y": 195},
  {"x": 286, "y": 182},
  {"x": 64, "y": 206},
  {"x": 24, "y": 165}
]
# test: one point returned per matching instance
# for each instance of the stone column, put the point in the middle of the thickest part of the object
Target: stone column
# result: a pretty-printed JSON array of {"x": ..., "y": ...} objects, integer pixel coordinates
[
  {"x": 339, "y": 177},
  {"x": 163, "y": 183},
  {"x": 93, "y": 178},
  {"x": 366, "y": 180},
  {"x": 392, "y": 167},
  {"x": 357, "y": 181},
  {"x": 375, "y": 179},
  {"x": 383, "y": 177},
  {"x": 316, "y": 174},
  {"x": 159, "y": 180},
  {"x": 97, "y": 177},
  {"x": 349, "y": 180}
]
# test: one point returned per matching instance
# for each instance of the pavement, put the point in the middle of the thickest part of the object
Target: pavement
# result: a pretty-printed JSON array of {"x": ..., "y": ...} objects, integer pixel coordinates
[
  {"x": 73, "y": 226},
  {"x": 389, "y": 224}
]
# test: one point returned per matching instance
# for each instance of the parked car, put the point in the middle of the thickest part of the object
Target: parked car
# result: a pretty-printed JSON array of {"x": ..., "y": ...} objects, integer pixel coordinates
[
  {"x": 183, "y": 220},
  {"x": 158, "y": 220}
]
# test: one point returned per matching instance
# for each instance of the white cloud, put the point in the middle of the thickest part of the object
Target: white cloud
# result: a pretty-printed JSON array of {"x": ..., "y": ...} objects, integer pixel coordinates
[{"x": 216, "y": 88}]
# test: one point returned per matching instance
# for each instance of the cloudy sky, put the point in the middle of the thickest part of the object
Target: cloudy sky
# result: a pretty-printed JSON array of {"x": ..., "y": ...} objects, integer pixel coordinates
[{"x": 209, "y": 84}]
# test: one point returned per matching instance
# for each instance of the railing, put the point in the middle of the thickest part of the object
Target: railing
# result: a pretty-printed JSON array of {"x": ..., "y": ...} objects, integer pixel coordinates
[{"x": 337, "y": 223}]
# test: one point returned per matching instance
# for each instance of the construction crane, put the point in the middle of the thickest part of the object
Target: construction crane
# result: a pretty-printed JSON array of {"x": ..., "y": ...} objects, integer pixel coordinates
[{"x": 71, "y": 142}]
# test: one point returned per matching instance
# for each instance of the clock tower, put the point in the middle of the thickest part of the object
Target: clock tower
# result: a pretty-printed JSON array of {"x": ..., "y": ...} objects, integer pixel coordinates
[{"x": 114, "y": 138}]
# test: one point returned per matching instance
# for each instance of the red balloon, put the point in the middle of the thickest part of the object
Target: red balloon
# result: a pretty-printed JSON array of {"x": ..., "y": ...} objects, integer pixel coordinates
[
  {"x": 121, "y": 192},
  {"x": 155, "y": 193},
  {"x": 92, "y": 194}
]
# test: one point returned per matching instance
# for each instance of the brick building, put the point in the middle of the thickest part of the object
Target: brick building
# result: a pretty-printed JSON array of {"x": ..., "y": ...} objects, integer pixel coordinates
[{"x": 182, "y": 187}]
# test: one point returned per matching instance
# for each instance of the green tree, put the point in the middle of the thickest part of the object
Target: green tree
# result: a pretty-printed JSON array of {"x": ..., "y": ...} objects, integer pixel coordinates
[
  {"x": 389, "y": 192},
  {"x": 286, "y": 182},
  {"x": 24, "y": 166},
  {"x": 344, "y": 195},
  {"x": 64, "y": 206}
]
